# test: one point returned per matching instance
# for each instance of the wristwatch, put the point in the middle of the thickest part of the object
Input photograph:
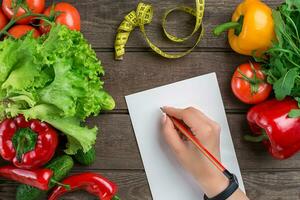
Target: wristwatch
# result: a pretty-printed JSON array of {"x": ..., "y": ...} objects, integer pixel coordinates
[{"x": 232, "y": 187}]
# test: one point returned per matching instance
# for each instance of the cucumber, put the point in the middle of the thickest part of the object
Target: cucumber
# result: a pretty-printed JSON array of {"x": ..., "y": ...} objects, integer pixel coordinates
[
  {"x": 61, "y": 166},
  {"x": 87, "y": 158},
  {"x": 27, "y": 192}
]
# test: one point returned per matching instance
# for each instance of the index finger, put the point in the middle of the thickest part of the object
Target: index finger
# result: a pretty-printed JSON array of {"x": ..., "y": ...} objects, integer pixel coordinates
[
  {"x": 192, "y": 117},
  {"x": 174, "y": 112},
  {"x": 188, "y": 115}
]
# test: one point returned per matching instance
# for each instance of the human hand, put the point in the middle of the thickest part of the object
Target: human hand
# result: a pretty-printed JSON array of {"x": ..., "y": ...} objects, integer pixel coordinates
[
  {"x": 207, "y": 131},
  {"x": 211, "y": 180}
]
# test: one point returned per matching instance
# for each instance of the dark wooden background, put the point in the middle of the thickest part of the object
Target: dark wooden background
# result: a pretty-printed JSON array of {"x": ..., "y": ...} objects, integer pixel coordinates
[{"x": 118, "y": 156}]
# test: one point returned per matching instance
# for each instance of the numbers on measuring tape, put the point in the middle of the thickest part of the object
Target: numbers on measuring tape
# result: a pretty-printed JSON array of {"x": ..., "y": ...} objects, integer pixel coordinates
[{"x": 143, "y": 15}]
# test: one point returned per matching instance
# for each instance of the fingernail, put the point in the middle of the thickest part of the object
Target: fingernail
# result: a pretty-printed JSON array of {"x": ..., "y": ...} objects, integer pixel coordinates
[
  {"x": 162, "y": 109},
  {"x": 164, "y": 118}
]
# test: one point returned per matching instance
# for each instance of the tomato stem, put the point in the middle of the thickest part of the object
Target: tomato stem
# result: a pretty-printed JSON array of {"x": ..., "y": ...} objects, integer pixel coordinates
[
  {"x": 253, "y": 81},
  {"x": 14, "y": 20}
]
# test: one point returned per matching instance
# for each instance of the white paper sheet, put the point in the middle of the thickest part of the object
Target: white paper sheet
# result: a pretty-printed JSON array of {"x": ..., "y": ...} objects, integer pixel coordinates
[{"x": 167, "y": 179}]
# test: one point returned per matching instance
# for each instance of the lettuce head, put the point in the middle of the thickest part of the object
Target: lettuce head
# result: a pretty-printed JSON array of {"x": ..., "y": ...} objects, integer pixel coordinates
[{"x": 57, "y": 79}]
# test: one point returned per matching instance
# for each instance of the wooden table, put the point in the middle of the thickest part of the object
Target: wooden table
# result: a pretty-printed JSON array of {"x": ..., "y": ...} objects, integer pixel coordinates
[{"x": 118, "y": 156}]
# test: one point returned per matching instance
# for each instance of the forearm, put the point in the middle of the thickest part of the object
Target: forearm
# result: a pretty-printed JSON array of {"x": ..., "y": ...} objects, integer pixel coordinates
[
  {"x": 238, "y": 195},
  {"x": 211, "y": 180}
]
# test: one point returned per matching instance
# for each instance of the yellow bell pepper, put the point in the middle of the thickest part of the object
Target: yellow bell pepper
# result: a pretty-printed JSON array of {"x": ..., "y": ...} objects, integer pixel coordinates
[{"x": 251, "y": 29}]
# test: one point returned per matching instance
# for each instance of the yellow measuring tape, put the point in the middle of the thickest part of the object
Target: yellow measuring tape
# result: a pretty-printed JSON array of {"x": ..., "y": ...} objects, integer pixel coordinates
[{"x": 143, "y": 15}]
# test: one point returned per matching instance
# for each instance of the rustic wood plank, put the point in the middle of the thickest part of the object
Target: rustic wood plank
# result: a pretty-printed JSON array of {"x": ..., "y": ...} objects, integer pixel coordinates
[
  {"x": 100, "y": 19},
  {"x": 265, "y": 178},
  {"x": 144, "y": 70},
  {"x": 117, "y": 148},
  {"x": 250, "y": 156},
  {"x": 272, "y": 185},
  {"x": 133, "y": 185}
]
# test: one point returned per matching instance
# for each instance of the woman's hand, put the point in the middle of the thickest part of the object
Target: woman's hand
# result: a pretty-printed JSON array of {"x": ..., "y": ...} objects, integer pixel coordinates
[{"x": 207, "y": 131}]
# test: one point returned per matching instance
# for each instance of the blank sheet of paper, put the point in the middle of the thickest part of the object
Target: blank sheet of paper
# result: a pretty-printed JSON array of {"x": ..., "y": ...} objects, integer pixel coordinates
[{"x": 167, "y": 179}]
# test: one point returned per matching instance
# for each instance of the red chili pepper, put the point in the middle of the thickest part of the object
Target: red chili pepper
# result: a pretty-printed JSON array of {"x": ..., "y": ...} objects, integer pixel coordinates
[
  {"x": 93, "y": 183},
  {"x": 282, "y": 134},
  {"x": 27, "y": 144},
  {"x": 38, "y": 178}
]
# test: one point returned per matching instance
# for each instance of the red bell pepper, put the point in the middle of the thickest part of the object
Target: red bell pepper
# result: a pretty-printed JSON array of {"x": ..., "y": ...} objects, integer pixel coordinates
[
  {"x": 40, "y": 178},
  {"x": 270, "y": 122},
  {"x": 93, "y": 183},
  {"x": 27, "y": 144}
]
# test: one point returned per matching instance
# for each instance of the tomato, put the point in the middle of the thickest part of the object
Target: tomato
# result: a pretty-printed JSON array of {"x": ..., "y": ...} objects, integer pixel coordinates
[
  {"x": 18, "y": 31},
  {"x": 3, "y": 20},
  {"x": 249, "y": 84},
  {"x": 36, "y": 6},
  {"x": 69, "y": 16}
]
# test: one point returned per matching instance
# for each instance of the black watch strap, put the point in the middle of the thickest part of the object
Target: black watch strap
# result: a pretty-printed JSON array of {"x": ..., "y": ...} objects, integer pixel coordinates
[{"x": 232, "y": 187}]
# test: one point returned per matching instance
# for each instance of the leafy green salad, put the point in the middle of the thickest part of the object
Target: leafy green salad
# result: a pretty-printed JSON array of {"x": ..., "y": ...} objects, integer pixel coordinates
[
  {"x": 283, "y": 63},
  {"x": 56, "y": 79}
]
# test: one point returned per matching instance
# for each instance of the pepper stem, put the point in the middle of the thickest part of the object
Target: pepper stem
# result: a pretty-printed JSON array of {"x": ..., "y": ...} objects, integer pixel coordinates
[
  {"x": 257, "y": 139},
  {"x": 116, "y": 198},
  {"x": 24, "y": 140},
  {"x": 237, "y": 26},
  {"x": 68, "y": 187}
]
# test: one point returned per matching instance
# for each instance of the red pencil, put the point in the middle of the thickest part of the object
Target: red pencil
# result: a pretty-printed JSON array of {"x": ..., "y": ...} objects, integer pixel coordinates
[{"x": 186, "y": 132}]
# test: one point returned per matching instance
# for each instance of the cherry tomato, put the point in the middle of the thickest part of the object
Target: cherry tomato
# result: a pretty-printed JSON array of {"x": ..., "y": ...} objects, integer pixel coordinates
[
  {"x": 18, "y": 31},
  {"x": 3, "y": 20},
  {"x": 36, "y": 6},
  {"x": 69, "y": 16},
  {"x": 249, "y": 84}
]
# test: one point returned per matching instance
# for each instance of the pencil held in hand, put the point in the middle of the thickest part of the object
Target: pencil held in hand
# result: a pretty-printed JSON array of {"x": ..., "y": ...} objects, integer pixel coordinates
[{"x": 185, "y": 130}]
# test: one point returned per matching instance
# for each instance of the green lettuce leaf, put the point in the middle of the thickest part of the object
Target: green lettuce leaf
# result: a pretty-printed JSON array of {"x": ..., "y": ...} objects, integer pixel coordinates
[
  {"x": 79, "y": 137},
  {"x": 55, "y": 78}
]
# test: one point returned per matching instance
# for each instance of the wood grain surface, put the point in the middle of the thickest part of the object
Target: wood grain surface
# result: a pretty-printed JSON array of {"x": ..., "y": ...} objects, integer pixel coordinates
[
  {"x": 118, "y": 156},
  {"x": 133, "y": 75},
  {"x": 275, "y": 185},
  {"x": 101, "y": 18}
]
